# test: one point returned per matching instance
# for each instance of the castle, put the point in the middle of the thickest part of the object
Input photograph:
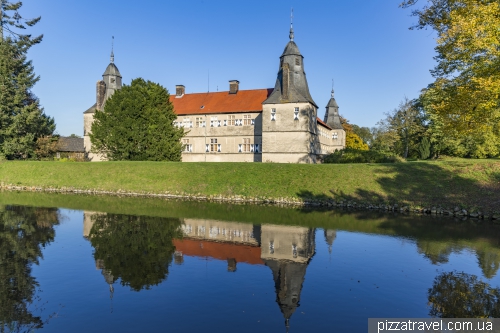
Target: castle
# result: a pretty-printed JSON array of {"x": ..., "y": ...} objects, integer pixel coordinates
[{"x": 260, "y": 125}]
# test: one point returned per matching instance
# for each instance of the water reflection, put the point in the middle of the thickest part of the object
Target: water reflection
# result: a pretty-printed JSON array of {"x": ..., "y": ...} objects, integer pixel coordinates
[
  {"x": 462, "y": 295},
  {"x": 139, "y": 249},
  {"x": 135, "y": 249},
  {"x": 286, "y": 250},
  {"x": 24, "y": 231}
]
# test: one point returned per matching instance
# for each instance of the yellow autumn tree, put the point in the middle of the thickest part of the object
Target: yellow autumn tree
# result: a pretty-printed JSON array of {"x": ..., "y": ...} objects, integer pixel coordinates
[
  {"x": 464, "y": 98},
  {"x": 352, "y": 140}
]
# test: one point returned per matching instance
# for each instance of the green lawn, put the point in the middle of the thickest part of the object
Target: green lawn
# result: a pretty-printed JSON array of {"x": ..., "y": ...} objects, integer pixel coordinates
[{"x": 467, "y": 183}]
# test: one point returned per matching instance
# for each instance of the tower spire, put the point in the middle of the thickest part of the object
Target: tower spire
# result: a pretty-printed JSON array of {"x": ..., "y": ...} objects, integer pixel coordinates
[
  {"x": 112, "y": 46},
  {"x": 332, "y": 88},
  {"x": 291, "y": 26}
]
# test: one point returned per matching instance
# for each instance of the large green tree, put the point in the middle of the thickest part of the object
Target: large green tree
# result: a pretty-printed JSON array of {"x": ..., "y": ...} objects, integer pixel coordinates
[
  {"x": 22, "y": 120},
  {"x": 137, "y": 124},
  {"x": 464, "y": 99},
  {"x": 135, "y": 249}
]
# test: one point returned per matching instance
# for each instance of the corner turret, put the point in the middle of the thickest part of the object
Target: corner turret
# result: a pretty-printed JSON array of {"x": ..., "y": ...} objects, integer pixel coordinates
[{"x": 332, "y": 117}]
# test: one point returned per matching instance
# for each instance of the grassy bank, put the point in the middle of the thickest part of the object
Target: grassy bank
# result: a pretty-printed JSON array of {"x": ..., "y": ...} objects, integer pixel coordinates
[{"x": 467, "y": 183}]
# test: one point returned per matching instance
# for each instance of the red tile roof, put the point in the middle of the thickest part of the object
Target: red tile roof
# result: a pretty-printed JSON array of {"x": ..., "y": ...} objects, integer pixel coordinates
[
  {"x": 221, "y": 251},
  {"x": 321, "y": 122},
  {"x": 220, "y": 102}
]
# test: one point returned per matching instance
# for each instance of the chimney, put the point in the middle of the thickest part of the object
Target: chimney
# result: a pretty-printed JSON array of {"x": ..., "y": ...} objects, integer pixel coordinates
[
  {"x": 100, "y": 94},
  {"x": 180, "y": 90},
  {"x": 234, "y": 86}
]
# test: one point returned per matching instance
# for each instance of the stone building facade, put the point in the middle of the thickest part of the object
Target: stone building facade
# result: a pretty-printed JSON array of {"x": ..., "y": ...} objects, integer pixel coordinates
[{"x": 278, "y": 125}]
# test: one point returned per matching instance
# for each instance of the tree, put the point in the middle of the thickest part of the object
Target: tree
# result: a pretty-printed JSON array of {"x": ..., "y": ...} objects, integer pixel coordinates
[
  {"x": 46, "y": 147},
  {"x": 424, "y": 148},
  {"x": 137, "y": 125},
  {"x": 402, "y": 128},
  {"x": 9, "y": 22},
  {"x": 465, "y": 94},
  {"x": 23, "y": 233},
  {"x": 22, "y": 120},
  {"x": 136, "y": 249},
  {"x": 352, "y": 140},
  {"x": 462, "y": 295},
  {"x": 364, "y": 133}
]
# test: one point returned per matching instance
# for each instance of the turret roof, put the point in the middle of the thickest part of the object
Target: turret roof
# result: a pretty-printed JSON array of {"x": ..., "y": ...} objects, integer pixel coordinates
[
  {"x": 291, "y": 49},
  {"x": 112, "y": 70},
  {"x": 298, "y": 90}
]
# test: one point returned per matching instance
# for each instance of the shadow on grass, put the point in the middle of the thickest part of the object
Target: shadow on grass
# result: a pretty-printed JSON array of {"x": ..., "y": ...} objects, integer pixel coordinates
[{"x": 460, "y": 183}]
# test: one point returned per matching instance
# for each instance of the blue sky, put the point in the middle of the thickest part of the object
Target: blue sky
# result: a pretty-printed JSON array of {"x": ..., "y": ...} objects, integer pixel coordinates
[{"x": 364, "y": 45}]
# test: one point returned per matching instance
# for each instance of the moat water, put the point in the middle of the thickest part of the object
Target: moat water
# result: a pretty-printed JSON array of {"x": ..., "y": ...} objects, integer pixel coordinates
[{"x": 73, "y": 263}]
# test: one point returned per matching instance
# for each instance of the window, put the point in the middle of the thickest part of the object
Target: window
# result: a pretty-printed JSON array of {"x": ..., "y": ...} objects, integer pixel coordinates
[
  {"x": 271, "y": 247},
  {"x": 246, "y": 145},
  {"x": 187, "y": 123},
  {"x": 199, "y": 122},
  {"x": 213, "y": 121},
  {"x": 247, "y": 120},
  {"x": 273, "y": 114},
  {"x": 297, "y": 61},
  {"x": 230, "y": 120},
  {"x": 296, "y": 114},
  {"x": 213, "y": 145},
  {"x": 187, "y": 147},
  {"x": 335, "y": 136}
]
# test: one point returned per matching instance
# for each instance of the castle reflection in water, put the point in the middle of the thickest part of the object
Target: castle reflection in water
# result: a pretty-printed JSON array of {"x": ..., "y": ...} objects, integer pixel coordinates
[{"x": 286, "y": 250}]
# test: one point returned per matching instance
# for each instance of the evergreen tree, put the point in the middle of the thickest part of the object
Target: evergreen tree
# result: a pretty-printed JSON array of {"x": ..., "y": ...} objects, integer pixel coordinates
[
  {"x": 22, "y": 120},
  {"x": 137, "y": 125},
  {"x": 424, "y": 148},
  {"x": 24, "y": 231}
]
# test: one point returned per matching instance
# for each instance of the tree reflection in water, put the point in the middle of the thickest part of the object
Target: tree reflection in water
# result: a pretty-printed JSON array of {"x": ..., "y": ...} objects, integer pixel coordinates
[
  {"x": 24, "y": 231},
  {"x": 462, "y": 295},
  {"x": 135, "y": 249}
]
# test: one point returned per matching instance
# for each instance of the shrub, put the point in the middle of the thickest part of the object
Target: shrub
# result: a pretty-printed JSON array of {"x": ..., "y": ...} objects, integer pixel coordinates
[
  {"x": 424, "y": 148},
  {"x": 349, "y": 155}
]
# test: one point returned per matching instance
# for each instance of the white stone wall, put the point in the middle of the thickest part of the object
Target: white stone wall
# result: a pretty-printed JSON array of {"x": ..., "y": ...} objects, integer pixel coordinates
[
  {"x": 285, "y": 139},
  {"x": 222, "y": 231},
  {"x": 88, "y": 119},
  {"x": 287, "y": 243},
  {"x": 231, "y": 139}
]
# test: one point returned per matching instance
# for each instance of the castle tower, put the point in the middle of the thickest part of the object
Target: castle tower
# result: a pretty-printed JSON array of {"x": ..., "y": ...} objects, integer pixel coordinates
[
  {"x": 287, "y": 251},
  {"x": 105, "y": 88},
  {"x": 289, "y": 113},
  {"x": 330, "y": 236},
  {"x": 332, "y": 119}
]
